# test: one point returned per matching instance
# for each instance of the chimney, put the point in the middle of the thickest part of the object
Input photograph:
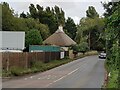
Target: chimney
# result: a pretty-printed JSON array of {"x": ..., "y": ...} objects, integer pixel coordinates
[{"x": 60, "y": 29}]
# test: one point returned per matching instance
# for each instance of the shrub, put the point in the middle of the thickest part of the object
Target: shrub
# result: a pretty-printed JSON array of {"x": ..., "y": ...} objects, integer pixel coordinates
[{"x": 16, "y": 71}]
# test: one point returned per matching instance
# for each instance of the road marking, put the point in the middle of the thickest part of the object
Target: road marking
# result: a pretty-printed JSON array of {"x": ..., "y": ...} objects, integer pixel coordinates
[
  {"x": 32, "y": 76},
  {"x": 59, "y": 79},
  {"x": 73, "y": 71},
  {"x": 62, "y": 77},
  {"x": 48, "y": 78},
  {"x": 39, "y": 78},
  {"x": 25, "y": 79},
  {"x": 66, "y": 75}
]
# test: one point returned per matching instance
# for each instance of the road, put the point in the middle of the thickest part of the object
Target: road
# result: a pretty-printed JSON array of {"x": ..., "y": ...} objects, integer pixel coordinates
[{"x": 87, "y": 72}]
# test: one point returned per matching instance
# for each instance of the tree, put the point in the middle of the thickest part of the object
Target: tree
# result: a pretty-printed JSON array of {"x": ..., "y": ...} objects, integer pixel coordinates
[
  {"x": 113, "y": 35},
  {"x": 109, "y": 8},
  {"x": 71, "y": 28},
  {"x": 91, "y": 12},
  {"x": 59, "y": 15},
  {"x": 23, "y": 15},
  {"x": 51, "y": 17},
  {"x": 91, "y": 30},
  {"x": 33, "y": 37},
  {"x": 33, "y": 11},
  {"x": 0, "y": 17},
  {"x": 83, "y": 47},
  {"x": 7, "y": 17},
  {"x": 113, "y": 42}
]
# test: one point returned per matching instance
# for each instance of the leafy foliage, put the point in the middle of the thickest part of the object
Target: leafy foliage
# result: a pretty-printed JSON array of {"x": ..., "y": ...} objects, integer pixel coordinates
[
  {"x": 71, "y": 27},
  {"x": 52, "y": 17},
  {"x": 91, "y": 12},
  {"x": 33, "y": 37},
  {"x": 91, "y": 30},
  {"x": 82, "y": 47},
  {"x": 113, "y": 41}
]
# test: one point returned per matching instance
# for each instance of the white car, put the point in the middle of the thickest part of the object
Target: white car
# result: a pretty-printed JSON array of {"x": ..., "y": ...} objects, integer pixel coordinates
[{"x": 102, "y": 55}]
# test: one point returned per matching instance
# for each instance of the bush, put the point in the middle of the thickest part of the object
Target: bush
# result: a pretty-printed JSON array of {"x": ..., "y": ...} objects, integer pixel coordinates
[
  {"x": 6, "y": 73},
  {"x": 82, "y": 47},
  {"x": 16, "y": 71}
]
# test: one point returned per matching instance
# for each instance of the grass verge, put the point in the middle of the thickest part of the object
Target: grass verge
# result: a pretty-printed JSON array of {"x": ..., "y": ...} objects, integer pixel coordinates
[{"x": 113, "y": 79}]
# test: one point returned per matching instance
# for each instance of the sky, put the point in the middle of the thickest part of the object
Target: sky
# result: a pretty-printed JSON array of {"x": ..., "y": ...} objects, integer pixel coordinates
[{"x": 76, "y": 9}]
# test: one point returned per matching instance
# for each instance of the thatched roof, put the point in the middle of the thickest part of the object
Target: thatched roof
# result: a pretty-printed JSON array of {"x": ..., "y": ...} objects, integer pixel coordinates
[{"x": 59, "y": 38}]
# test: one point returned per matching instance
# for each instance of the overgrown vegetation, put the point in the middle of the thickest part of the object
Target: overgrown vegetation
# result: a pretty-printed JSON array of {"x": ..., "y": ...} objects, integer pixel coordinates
[
  {"x": 113, "y": 79},
  {"x": 36, "y": 67},
  {"x": 113, "y": 43}
]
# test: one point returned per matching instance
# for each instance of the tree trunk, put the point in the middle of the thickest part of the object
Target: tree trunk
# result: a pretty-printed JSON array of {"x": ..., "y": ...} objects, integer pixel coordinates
[{"x": 89, "y": 40}]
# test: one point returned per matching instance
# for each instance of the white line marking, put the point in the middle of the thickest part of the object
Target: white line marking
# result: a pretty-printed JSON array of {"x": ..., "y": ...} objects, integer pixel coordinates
[
  {"x": 31, "y": 77},
  {"x": 63, "y": 77},
  {"x": 60, "y": 78},
  {"x": 73, "y": 71},
  {"x": 25, "y": 79},
  {"x": 39, "y": 78},
  {"x": 49, "y": 84},
  {"x": 68, "y": 73}
]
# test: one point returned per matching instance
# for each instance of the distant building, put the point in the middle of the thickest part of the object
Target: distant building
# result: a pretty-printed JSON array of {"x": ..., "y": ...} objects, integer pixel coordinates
[
  {"x": 12, "y": 41},
  {"x": 59, "y": 38}
]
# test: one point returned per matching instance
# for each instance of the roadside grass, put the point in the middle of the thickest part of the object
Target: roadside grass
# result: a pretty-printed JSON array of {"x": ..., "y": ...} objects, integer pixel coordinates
[
  {"x": 113, "y": 80},
  {"x": 39, "y": 66}
]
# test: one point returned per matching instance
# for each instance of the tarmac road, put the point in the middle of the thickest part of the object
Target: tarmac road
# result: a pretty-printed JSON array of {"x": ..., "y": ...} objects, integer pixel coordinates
[{"x": 87, "y": 72}]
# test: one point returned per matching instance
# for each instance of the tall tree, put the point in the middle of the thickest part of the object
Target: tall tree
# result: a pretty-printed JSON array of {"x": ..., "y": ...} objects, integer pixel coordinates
[
  {"x": 71, "y": 28},
  {"x": 23, "y": 15},
  {"x": 93, "y": 31},
  {"x": 109, "y": 8},
  {"x": 91, "y": 12},
  {"x": 51, "y": 17},
  {"x": 95, "y": 26},
  {"x": 0, "y": 17},
  {"x": 60, "y": 16},
  {"x": 7, "y": 17},
  {"x": 33, "y": 11}
]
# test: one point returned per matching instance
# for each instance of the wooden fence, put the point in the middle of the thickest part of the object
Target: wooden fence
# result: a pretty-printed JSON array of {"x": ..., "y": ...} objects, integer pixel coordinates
[{"x": 24, "y": 59}]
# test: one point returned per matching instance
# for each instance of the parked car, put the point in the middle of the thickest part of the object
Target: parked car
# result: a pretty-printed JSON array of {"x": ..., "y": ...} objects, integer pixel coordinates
[{"x": 102, "y": 55}]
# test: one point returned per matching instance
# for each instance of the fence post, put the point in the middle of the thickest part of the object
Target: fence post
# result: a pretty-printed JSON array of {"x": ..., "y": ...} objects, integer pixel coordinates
[
  {"x": 26, "y": 59},
  {"x": 7, "y": 62}
]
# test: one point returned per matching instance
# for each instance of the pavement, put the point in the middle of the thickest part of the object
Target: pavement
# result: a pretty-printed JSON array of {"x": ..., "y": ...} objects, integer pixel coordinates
[{"x": 87, "y": 72}]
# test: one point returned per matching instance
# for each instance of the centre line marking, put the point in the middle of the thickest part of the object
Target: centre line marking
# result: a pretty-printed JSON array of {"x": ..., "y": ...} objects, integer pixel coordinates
[
  {"x": 63, "y": 77},
  {"x": 66, "y": 75}
]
